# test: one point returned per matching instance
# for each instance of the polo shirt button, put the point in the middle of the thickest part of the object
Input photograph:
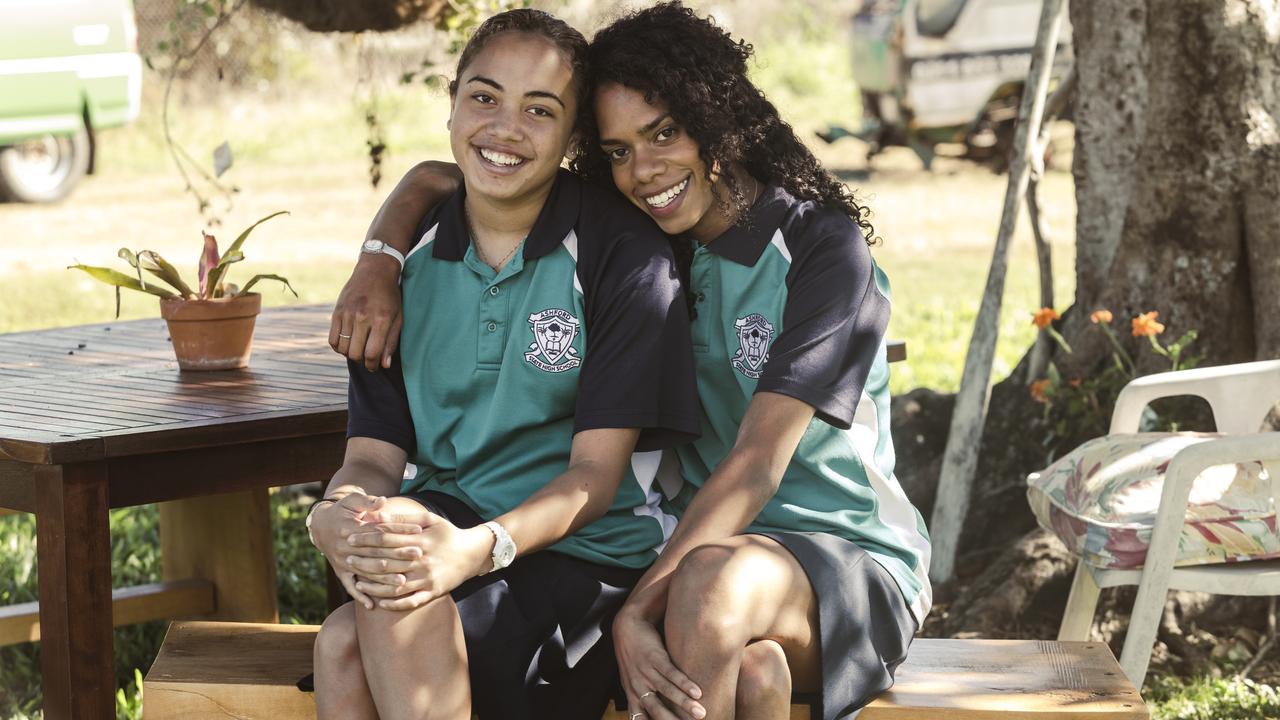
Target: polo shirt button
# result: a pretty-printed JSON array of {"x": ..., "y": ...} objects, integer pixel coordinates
[
  {"x": 701, "y": 297},
  {"x": 493, "y": 327},
  {"x": 494, "y": 290}
]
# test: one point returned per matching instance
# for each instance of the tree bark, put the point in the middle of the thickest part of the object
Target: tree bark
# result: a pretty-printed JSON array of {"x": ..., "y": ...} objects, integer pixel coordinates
[
  {"x": 1109, "y": 44},
  {"x": 1200, "y": 240}
]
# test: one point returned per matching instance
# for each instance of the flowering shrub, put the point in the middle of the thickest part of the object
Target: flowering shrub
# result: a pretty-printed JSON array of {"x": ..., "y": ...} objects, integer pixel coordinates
[{"x": 1083, "y": 405}]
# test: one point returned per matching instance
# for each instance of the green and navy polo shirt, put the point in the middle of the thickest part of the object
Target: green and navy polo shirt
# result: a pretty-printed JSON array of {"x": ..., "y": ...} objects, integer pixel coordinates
[
  {"x": 585, "y": 328},
  {"x": 790, "y": 302}
]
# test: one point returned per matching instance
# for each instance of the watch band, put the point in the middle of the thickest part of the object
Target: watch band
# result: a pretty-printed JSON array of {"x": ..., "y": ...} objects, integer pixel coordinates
[
  {"x": 379, "y": 247},
  {"x": 504, "y": 548}
]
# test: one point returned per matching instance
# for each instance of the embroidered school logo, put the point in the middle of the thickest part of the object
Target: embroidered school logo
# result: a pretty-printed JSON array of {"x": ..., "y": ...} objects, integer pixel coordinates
[
  {"x": 553, "y": 334},
  {"x": 754, "y": 333}
]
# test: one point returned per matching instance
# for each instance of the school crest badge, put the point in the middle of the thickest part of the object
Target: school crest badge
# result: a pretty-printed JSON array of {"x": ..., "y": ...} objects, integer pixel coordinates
[
  {"x": 553, "y": 333},
  {"x": 754, "y": 334}
]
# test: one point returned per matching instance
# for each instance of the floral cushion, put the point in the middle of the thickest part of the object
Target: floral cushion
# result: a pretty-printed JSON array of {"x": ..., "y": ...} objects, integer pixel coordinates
[{"x": 1101, "y": 500}]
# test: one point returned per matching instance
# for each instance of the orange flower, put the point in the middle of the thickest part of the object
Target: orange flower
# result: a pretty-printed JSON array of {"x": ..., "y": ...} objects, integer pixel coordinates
[
  {"x": 1100, "y": 316},
  {"x": 1038, "y": 391},
  {"x": 1042, "y": 317},
  {"x": 1145, "y": 324}
]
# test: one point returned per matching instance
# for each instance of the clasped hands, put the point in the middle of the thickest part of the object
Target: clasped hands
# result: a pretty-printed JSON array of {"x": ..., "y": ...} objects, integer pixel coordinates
[{"x": 395, "y": 554}]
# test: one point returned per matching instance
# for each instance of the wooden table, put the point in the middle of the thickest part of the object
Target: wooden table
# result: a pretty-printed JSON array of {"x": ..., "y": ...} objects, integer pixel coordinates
[{"x": 99, "y": 417}]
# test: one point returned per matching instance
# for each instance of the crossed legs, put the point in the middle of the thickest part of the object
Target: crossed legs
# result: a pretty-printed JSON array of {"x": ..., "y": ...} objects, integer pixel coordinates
[
  {"x": 372, "y": 664},
  {"x": 742, "y": 622}
]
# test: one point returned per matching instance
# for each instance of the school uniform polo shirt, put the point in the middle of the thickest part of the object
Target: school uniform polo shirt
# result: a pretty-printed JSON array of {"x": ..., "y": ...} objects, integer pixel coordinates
[
  {"x": 790, "y": 302},
  {"x": 584, "y": 328}
]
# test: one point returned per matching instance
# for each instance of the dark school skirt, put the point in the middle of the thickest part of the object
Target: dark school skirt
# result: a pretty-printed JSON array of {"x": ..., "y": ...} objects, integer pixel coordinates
[
  {"x": 864, "y": 623},
  {"x": 538, "y": 633}
]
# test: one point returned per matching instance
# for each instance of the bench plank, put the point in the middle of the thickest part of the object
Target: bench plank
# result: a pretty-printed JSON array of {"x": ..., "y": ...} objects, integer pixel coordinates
[
  {"x": 219, "y": 670},
  {"x": 215, "y": 671},
  {"x": 1006, "y": 679}
]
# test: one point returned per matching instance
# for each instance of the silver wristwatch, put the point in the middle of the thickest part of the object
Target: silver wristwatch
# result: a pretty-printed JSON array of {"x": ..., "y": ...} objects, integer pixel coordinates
[
  {"x": 504, "y": 548},
  {"x": 377, "y": 247}
]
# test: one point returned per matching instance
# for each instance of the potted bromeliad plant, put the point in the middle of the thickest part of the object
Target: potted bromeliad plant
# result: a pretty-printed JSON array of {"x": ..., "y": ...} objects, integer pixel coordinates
[{"x": 211, "y": 325}]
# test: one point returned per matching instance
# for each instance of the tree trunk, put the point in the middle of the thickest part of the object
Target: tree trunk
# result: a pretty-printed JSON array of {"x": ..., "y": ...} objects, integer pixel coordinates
[
  {"x": 1200, "y": 239},
  {"x": 1109, "y": 44}
]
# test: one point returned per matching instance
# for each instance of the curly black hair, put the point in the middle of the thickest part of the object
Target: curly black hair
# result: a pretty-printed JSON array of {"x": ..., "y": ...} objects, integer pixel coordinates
[{"x": 700, "y": 73}]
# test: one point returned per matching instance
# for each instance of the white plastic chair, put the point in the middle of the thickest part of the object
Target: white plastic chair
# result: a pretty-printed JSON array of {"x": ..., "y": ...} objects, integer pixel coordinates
[{"x": 1240, "y": 397}]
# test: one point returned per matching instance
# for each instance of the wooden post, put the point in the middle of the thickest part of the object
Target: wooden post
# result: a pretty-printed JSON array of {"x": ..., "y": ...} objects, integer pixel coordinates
[
  {"x": 74, "y": 548},
  {"x": 225, "y": 539},
  {"x": 1054, "y": 106},
  {"x": 965, "y": 436}
]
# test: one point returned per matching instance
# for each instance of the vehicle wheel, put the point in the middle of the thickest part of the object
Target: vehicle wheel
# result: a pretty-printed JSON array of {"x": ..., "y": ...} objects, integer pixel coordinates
[{"x": 44, "y": 169}]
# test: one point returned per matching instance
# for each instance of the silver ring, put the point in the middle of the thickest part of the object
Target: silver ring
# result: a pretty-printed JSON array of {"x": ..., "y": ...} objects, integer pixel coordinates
[
  {"x": 646, "y": 695},
  {"x": 636, "y": 715},
  {"x": 344, "y": 337}
]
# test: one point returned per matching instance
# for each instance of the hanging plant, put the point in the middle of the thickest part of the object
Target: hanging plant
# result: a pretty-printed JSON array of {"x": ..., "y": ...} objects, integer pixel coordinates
[{"x": 361, "y": 15}]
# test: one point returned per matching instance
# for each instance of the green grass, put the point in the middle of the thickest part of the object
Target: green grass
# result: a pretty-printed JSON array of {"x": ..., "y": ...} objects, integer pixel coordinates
[
  {"x": 326, "y": 126},
  {"x": 1207, "y": 698}
]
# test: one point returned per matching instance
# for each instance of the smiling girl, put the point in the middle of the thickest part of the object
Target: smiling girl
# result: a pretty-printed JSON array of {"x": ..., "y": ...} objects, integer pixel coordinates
[
  {"x": 798, "y": 565},
  {"x": 487, "y": 581}
]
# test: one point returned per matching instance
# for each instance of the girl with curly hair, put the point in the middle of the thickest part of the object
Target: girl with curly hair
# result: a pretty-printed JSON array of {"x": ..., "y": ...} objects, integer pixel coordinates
[{"x": 798, "y": 565}]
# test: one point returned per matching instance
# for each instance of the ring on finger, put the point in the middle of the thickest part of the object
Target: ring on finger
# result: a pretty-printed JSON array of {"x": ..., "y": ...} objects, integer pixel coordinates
[
  {"x": 646, "y": 695},
  {"x": 636, "y": 715},
  {"x": 344, "y": 337}
]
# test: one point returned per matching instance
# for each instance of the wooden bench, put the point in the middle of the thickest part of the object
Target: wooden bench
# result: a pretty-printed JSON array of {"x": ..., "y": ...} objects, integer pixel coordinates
[{"x": 242, "y": 670}]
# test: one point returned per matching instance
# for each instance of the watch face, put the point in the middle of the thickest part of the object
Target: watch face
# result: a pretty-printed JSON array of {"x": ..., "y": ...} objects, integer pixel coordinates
[
  {"x": 372, "y": 246},
  {"x": 505, "y": 555}
]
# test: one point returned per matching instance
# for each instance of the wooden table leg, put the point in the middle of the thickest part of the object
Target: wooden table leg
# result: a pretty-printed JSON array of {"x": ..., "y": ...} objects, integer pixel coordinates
[
  {"x": 73, "y": 548},
  {"x": 225, "y": 539}
]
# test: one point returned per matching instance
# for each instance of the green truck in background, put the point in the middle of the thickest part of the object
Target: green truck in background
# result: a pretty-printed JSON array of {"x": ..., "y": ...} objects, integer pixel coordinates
[{"x": 68, "y": 68}]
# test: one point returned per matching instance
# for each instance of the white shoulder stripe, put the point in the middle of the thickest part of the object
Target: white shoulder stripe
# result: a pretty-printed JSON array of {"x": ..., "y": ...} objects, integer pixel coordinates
[
  {"x": 571, "y": 244},
  {"x": 779, "y": 242},
  {"x": 427, "y": 238}
]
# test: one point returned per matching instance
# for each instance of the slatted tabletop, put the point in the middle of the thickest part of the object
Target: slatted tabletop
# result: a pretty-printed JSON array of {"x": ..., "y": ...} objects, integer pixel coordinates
[{"x": 111, "y": 390}]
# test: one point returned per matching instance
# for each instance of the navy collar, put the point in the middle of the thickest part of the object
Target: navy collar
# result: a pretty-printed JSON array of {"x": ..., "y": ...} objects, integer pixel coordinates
[
  {"x": 558, "y": 216},
  {"x": 745, "y": 242}
]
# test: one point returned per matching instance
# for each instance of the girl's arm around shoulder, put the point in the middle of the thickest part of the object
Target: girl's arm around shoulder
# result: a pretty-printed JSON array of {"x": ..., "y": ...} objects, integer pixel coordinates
[{"x": 366, "y": 319}]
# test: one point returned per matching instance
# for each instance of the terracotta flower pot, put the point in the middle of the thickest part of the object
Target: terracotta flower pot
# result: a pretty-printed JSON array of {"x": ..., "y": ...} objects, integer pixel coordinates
[{"x": 212, "y": 334}]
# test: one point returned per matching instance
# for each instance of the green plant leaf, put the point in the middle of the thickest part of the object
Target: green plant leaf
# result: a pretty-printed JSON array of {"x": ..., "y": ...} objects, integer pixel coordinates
[
  {"x": 215, "y": 275},
  {"x": 127, "y": 255},
  {"x": 1187, "y": 338},
  {"x": 151, "y": 261},
  {"x": 120, "y": 280},
  {"x": 253, "y": 281},
  {"x": 232, "y": 256}
]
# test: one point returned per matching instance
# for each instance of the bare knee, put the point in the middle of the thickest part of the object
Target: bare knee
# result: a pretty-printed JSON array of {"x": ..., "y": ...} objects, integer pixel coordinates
[
  {"x": 337, "y": 645},
  {"x": 705, "y": 606},
  {"x": 764, "y": 678}
]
